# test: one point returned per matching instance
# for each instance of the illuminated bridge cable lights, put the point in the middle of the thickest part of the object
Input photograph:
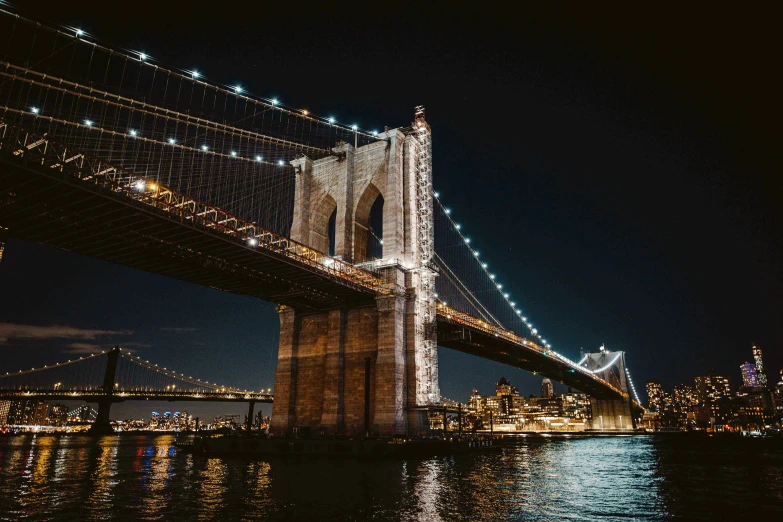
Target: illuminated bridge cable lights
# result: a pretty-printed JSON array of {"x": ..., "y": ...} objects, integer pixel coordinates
[
  {"x": 483, "y": 266},
  {"x": 144, "y": 58}
]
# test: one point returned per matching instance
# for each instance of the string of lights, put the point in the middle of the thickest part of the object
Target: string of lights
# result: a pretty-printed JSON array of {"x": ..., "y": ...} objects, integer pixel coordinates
[
  {"x": 73, "y": 34},
  {"x": 483, "y": 266}
]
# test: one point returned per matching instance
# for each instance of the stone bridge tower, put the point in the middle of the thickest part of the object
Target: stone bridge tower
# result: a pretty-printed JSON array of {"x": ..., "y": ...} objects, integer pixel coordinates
[
  {"x": 607, "y": 414},
  {"x": 369, "y": 205}
]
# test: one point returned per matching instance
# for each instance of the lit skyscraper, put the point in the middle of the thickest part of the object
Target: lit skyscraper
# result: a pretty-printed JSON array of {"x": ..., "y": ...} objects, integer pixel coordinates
[
  {"x": 762, "y": 377},
  {"x": 654, "y": 395},
  {"x": 749, "y": 376},
  {"x": 547, "y": 390},
  {"x": 711, "y": 387}
]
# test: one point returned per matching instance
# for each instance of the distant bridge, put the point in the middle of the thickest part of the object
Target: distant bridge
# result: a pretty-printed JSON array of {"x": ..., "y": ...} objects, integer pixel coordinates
[{"x": 113, "y": 376}]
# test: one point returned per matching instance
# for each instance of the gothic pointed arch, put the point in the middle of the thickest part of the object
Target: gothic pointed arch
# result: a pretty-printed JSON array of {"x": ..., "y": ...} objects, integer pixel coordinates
[
  {"x": 322, "y": 236},
  {"x": 368, "y": 225}
]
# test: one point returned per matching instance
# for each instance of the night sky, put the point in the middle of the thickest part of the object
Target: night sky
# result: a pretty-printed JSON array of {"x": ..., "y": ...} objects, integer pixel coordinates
[{"x": 616, "y": 168}]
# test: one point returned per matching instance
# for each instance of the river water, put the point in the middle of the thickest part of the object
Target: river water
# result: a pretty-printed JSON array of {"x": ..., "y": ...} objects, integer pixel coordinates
[{"x": 128, "y": 477}]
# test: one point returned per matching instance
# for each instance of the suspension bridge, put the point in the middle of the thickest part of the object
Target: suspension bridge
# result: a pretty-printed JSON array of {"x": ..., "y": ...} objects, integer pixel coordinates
[
  {"x": 106, "y": 153},
  {"x": 116, "y": 375}
]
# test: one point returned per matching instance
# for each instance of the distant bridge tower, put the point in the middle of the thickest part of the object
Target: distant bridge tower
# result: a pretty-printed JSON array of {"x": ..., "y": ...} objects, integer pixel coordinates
[
  {"x": 370, "y": 206},
  {"x": 102, "y": 423},
  {"x": 611, "y": 415}
]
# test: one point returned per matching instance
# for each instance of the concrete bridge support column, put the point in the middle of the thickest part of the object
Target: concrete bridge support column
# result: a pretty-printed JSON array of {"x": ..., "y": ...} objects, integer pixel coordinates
[
  {"x": 390, "y": 389},
  {"x": 611, "y": 415},
  {"x": 283, "y": 411}
]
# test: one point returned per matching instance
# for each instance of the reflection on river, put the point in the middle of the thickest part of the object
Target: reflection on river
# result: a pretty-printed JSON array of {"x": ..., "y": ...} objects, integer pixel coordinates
[{"x": 127, "y": 477}]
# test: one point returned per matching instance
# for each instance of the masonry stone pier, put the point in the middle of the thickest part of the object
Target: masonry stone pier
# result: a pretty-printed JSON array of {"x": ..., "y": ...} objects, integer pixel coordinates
[
  {"x": 611, "y": 414},
  {"x": 320, "y": 379}
]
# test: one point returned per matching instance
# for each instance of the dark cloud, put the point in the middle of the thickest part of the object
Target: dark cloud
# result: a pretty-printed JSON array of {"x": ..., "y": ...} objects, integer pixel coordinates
[{"x": 25, "y": 331}]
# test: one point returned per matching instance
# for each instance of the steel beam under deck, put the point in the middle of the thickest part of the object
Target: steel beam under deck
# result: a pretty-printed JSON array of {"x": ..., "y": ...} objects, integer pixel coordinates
[{"x": 46, "y": 207}]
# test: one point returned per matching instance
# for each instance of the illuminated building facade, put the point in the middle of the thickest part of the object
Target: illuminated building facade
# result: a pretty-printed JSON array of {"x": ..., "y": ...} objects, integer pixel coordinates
[
  {"x": 5, "y": 407},
  {"x": 654, "y": 395},
  {"x": 27, "y": 412},
  {"x": 712, "y": 387},
  {"x": 749, "y": 375},
  {"x": 513, "y": 412},
  {"x": 547, "y": 390},
  {"x": 759, "y": 362}
]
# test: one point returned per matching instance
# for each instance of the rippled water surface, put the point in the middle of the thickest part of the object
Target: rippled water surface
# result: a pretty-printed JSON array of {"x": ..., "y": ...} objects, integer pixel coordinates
[{"x": 128, "y": 477}]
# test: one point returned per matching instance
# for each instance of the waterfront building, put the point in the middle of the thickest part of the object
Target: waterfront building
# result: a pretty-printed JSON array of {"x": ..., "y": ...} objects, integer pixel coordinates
[
  {"x": 27, "y": 412},
  {"x": 503, "y": 387},
  {"x": 654, "y": 395},
  {"x": 58, "y": 415},
  {"x": 476, "y": 402},
  {"x": 684, "y": 398},
  {"x": 576, "y": 405},
  {"x": 759, "y": 362},
  {"x": 712, "y": 387},
  {"x": 5, "y": 408},
  {"x": 547, "y": 390},
  {"x": 750, "y": 377}
]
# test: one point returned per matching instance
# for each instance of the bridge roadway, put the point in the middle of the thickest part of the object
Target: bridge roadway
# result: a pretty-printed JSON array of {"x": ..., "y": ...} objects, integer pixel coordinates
[
  {"x": 55, "y": 196},
  {"x": 122, "y": 396}
]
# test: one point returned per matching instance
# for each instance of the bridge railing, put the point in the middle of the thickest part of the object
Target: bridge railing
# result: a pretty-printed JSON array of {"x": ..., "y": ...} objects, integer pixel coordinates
[
  {"x": 93, "y": 393},
  {"x": 491, "y": 329},
  {"x": 18, "y": 142}
]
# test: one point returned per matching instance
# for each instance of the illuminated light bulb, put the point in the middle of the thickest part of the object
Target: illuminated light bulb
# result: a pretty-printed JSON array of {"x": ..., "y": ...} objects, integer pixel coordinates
[
  {"x": 196, "y": 74},
  {"x": 331, "y": 120},
  {"x": 204, "y": 148},
  {"x": 476, "y": 253},
  {"x": 258, "y": 158},
  {"x": 484, "y": 265},
  {"x": 172, "y": 141},
  {"x": 436, "y": 194},
  {"x": 305, "y": 112},
  {"x": 467, "y": 240},
  {"x": 252, "y": 241},
  {"x": 35, "y": 110},
  {"x": 274, "y": 101},
  {"x": 375, "y": 133},
  {"x": 492, "y": 276},
  {"x": 88, "y": 123},
  {"x": 142, "y": 56},
  {"x": 79, "y": 32},
  {"x": 506, "y": 295},
  {"x": 233, "y": 153},
  {"x": 133, "y": 132},
  {"x": 355, "y": 127},
  {"x": 448, "y": 211},
  {"x": 535, "y": 332},
  {"x": 238, "y": 89},
  {"x": 140, "y": 186},
  {"x": 457, "y": 226},
  {"x": 500, "y": 286},
  {"x": 280, "y": 163}
]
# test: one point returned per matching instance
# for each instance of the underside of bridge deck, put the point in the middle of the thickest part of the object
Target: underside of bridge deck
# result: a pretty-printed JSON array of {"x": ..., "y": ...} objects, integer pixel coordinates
[{"x": 47, "y": 207}]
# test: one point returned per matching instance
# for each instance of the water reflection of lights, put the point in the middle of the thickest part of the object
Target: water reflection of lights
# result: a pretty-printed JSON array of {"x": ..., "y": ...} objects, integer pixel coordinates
[{"x": 429, "y": 488}]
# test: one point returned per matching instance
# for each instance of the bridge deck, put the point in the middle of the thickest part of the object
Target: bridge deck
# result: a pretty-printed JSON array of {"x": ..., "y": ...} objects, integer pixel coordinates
[
  {"x": 465, "y": 334},
  {"x": 41, "y": 204},
  {"x": 98, "y": 395}
]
